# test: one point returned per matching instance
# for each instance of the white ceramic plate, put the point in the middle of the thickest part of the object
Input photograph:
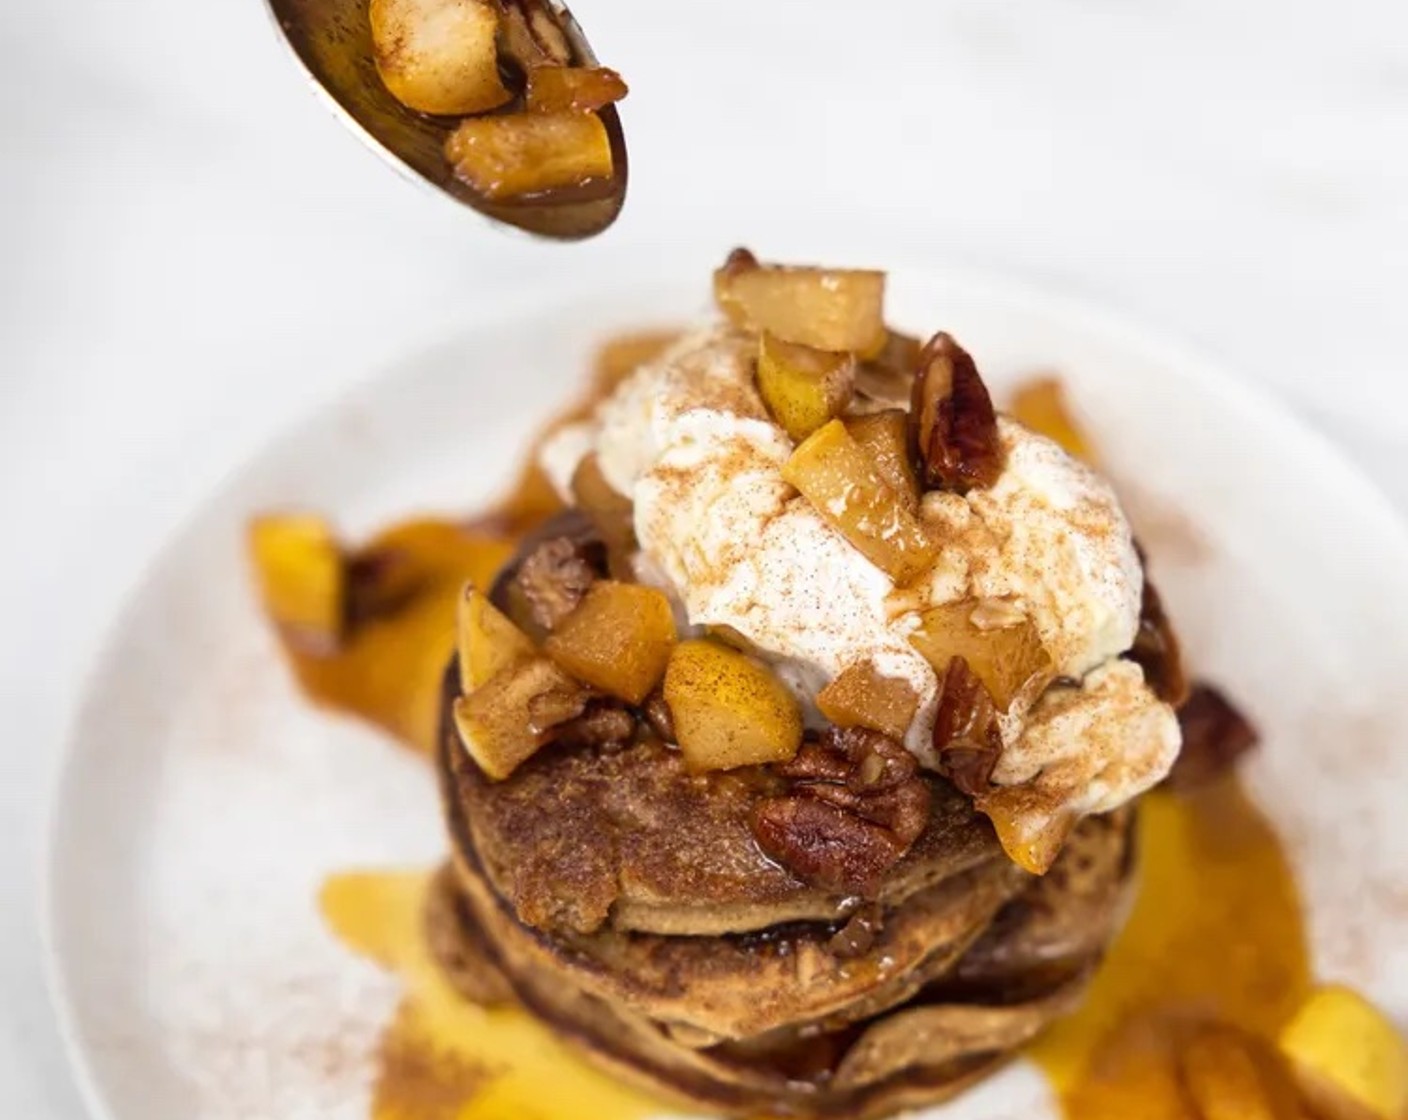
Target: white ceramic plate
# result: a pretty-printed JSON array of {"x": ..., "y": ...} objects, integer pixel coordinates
[{"x": 203, "y": 801}]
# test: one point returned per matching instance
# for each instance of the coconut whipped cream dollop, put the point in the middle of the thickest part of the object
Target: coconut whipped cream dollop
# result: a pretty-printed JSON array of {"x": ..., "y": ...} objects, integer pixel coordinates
[{"x": 689, "y": 440}]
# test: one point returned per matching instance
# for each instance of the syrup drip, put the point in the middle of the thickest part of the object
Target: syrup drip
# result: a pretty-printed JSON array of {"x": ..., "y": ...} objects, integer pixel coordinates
[
  {"x": 443, "y": 1058},
  {"x": 1216, "y": 935}
]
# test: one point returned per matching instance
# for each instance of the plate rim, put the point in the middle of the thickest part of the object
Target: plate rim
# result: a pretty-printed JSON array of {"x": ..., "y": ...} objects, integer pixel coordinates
[{"x": 1363, "y": 498}]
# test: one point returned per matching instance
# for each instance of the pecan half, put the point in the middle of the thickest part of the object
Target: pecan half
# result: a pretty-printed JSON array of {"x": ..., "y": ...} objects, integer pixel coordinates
[
  {"x": 1215, "y": 736},
  {"x": 952, "y": 424},
  {"x": 1156, "y": 650},
  {"x": 966, "y": 736},
  {"x": 856, "y": 805},
  {"x": 823, "y": 845}
]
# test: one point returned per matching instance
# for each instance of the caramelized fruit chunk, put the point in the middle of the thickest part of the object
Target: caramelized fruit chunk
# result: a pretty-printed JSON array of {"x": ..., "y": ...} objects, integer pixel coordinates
[
  {"x": 825, "y": 308},
  {"x": 727, "y": 710},
  {"x": 503, "y": 722},
  {"x": 524, "y": 153},
  {"x": 438, "y": 56},
  {"x": 1030, "y": 830},
  {"x": 488, "y": 642},
  {"x": 1040, "y": 404},
  {"x": 802, "y": 387},
  {"x": 862, "y": 697},
  {"x": 1215, "y": 736},
  {"x": 884, "y": 436},
  {"x": 1010, "y": 661},
  {"x": 1349, "y": 1059},
  {"x": 847, "y": 489},
  {"x": 302, "y": 578},
  {"x": 573, "y": 89},
  {"x": 618, "y": 640},
  {"x": 966, "y": 736},
  {"x": 888, "y": 378},
  {"x": 1229, "y": 1074},
  {"x": 611, "y": 512},
  {"x": 953, "y": 428}
]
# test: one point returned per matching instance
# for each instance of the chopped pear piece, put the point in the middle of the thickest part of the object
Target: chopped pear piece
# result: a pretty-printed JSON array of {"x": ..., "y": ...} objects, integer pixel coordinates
[
  {"x": 524, "y": 153},
  {"x": 618, "y": 639},
  {"x": 846, "y": 488},
  {"x": 862, "y": 697},
  {"x": 1009, "y": 660},
  {"x": 1041, "y": 405},
  {"x": 302, "y": 577},
  {"x": 1232, "y": 1075},
  {"x": 573, "y": 89},
  {"x": 884, "y": 436},
  {"x": 729, "y": 711},
  {"x": 488, "y": 641},
  {"x": 439, "y": 56},
  {"x": 611, "y": 512},
  {"x": 803, "y": 387},
  {"x": 826, "y": 308},
  {"x": 1349, "y": 1059},
  {"x": 1029, "y": 827},
  {"x": 503, "y": 722}
]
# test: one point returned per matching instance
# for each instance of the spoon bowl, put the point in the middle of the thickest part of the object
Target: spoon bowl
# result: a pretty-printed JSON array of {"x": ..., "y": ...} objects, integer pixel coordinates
[{"x": 332, "y": 40}]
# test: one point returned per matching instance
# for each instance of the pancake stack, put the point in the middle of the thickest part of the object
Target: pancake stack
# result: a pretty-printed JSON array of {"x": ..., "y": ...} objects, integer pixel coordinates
[{"x": 625, "y": 903}]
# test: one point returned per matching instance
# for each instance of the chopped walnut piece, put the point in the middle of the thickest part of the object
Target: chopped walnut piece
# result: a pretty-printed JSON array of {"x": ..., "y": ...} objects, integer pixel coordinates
[
  {"x": 657, "y": 714},
  {"x": 965, "y": 730},
  {"x": 603, "y": 724},
  {"x": 1156, "y": 650},
  {"x": 1215, "y": 736},
  {"x": 554, "y": 578},
  {"x": 856, "y": 805},
  {"x": 953, "y": 428}
]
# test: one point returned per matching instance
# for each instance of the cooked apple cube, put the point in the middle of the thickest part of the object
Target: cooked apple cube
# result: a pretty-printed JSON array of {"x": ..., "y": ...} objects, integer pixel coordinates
[
  {"x": 573, "y": 89},
  {"x": 826, "y": 308},
  {"x": 863, "y": 697},
  {"x": 504, "y": 721},
  {"x": 488, "y": 642},
  {"x": 1041, "y": 405},
  {"x": 1348, "y": 1058},
  {"x": 524, "y": 153},
  {"x": 803, "y": 387},
  {"x": 611, "y": 512},
  {"x": 729, "y": 711},
  {"x": 618, "y": 639},
  {"x": 884, "y": 436},
  {"x": 846, "y": 488},
  {"x": 439, "y": 56},
  {"x": 1009, "y": 659},
  {"x": 302, "y": 577}
]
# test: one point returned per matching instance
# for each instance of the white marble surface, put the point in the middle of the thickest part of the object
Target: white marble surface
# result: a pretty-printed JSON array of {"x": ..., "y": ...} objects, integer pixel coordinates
[{"x": 191, "y": 251}]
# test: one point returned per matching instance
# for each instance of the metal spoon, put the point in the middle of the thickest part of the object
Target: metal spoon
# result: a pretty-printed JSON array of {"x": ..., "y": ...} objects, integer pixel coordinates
[{"x": 333, "y": 41}]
